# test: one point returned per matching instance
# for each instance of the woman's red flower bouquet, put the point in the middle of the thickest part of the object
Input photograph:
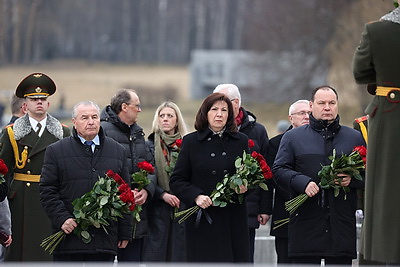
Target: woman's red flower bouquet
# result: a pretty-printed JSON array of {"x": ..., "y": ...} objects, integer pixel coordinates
[
  {"x": 110, "y": 198},
  {"x": 251, "y": 171}
]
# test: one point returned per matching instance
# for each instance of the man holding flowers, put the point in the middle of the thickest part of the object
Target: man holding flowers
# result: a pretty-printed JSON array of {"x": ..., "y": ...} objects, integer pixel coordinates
[
  {"x": 119, "y": 121},
  {"x": 324, "y": 226},
  {"x": 71, "y": 167}
]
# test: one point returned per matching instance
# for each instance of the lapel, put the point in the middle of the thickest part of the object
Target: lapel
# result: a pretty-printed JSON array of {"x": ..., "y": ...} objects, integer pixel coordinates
[{"x": 36, "y": 144}]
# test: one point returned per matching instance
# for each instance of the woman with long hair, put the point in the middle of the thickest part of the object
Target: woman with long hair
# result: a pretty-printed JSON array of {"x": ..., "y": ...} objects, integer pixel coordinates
[{"x": 165, "y": 241}]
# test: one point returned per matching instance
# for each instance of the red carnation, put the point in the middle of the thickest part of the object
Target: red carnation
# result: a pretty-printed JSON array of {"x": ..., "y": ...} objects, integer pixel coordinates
[
  {"x": 118, "y": 179},
  {"x": 110, "y": 173},
  {"x": 124, "y": 188},
  {"x": 251, "y": 143},
  {"x": 362, "y": 150},
  {"x": 144, "y": 165},
  {"x": 178, "y": 142},
  {"x": 3, "y": 167}
]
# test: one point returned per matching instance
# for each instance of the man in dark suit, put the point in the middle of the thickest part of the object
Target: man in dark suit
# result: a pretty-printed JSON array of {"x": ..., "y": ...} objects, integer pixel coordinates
[
  {"x": 22, "y": 147},
  {"x": 376, "y": 62},
  {"x": 299, "y": 113}
]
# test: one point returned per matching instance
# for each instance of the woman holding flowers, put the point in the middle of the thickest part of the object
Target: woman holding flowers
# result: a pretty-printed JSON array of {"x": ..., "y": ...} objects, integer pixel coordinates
[
  {"x": 214, "y": 234},
  {"x": 324, "y": 226},
  {"x": 165, "y": 241}
]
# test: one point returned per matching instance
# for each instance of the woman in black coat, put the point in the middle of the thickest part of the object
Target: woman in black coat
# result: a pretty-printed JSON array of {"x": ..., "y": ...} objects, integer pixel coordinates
[{"x": 216, "y": 234}]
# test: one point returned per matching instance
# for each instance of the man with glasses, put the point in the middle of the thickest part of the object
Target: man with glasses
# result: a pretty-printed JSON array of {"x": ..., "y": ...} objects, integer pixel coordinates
[
  {"x": 299, "y": 114},
  {"x": 118, "y": 121},
  {"x": 22, "y": 147}
]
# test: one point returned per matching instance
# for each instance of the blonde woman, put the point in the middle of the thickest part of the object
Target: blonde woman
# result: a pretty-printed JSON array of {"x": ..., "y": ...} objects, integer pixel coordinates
[{"x": 165, "y": 240}]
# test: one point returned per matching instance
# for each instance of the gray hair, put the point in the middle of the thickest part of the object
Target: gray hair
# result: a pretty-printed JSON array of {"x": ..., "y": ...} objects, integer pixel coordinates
[
  {"x": 293, "y": 106},
  {"x": 84, "y": 103},
  {"x": 181, "y": 126},
  {"x": 232, "y": 91}
]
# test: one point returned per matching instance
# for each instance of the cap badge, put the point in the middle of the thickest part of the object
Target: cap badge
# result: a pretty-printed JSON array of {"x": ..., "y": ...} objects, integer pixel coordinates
[
  {"x": 38, "y": 90},
  {"x": 38, "y": 75}
]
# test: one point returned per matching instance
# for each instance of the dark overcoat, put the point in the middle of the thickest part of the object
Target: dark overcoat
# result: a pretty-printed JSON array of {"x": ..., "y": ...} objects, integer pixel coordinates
[
  {"x": 29, "y": 222},
  {"x": 202, "y": 163},
  {"x": 70, "y": 170},
  {"x": 324, "y": 225},
  {"x": 258, "y": 201},
  {"x": 132, "y": 138},
  {"x": 376, "y": 60}
]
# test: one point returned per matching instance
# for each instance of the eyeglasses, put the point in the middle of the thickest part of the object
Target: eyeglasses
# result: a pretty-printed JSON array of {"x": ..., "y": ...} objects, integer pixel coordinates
[
  {"x": 138, "y": 106},
  {"x": 302, "y": 113}
]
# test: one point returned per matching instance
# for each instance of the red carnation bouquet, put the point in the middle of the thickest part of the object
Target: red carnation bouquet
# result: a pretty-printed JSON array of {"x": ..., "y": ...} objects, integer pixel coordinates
[
  {"x": 3, "y": 170},
  {"x": 252, "y": 170},
  {"x": 140, "y": 181},
  {"x": 350, "y": 164},
  {"x": 110, "y": 198}
]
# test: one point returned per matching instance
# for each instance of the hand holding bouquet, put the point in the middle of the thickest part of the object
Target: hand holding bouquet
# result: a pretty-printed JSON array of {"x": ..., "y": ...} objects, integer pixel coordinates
[
  {"x": 110, "y": 198},
  {"x": 350, "y": 164},
  {"x": 140, "y": 181},
  {"x": 251, "y": 171}
]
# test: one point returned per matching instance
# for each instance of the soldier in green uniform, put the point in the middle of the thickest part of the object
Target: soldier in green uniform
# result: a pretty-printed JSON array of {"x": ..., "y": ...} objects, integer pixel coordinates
[
  {"x": 22, "y": 147},
  {"x": 376, "y": 61}
]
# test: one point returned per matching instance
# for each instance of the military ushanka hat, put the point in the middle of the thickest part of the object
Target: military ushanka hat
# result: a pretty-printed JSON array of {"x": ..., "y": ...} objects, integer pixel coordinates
[{"x": 36, "y": 85}]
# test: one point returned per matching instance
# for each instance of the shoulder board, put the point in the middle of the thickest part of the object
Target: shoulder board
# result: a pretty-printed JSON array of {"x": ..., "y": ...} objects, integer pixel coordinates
[
  {"x": 64, "y": 125},
  {"x": 361, "y": 119}
]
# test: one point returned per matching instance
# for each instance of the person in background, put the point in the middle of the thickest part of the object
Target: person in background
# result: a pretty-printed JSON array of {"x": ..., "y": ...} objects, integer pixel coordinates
[
  {"x": 282, "y": 126},
  {"x": 166, "y": 238},
  {"x": 299, "y": 113},
  {"x": 118, "y": 121},
  {"x": 22, "y": 147},
  {"x": 376, "y": 63},
  {"x": 259, "y": 202},
  {"x": 324, "y": 226},
  {"x": 71, "y": 167},
  {"x": 18, "y": 109},
  {"x": 206, "y": 156}
]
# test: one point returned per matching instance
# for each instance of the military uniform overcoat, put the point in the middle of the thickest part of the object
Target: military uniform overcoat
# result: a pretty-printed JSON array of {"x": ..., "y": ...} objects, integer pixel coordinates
[
  {"x": 376, "y": 60},
  {"x": 29, "y": 222}
]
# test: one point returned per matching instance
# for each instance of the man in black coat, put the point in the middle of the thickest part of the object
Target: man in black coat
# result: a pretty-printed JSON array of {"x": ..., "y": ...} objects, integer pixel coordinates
[
  {"x": 324, "y": 226},
  {"x": 118, "y": 121},
  {"x": 299, "y": 113},
  {"x": 259, "y": 202},
  {"x": 71, "y": 167}
]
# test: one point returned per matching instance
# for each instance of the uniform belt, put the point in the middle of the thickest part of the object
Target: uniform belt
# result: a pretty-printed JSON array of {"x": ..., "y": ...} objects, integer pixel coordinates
[
  {"x": 384, "y": 91},
  {"x": 26, "y": 177}
]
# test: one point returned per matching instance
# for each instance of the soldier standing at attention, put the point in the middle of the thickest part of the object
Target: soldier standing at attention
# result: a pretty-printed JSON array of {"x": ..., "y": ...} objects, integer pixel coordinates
[{"x": 22, "y": 147}]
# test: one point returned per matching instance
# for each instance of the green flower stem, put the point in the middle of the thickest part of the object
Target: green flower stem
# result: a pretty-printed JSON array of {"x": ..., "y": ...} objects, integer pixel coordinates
[
  {"x": 51, "y": 242},
  {"x": 279, "y": 223},
  {"x": 293, "y": 204}
]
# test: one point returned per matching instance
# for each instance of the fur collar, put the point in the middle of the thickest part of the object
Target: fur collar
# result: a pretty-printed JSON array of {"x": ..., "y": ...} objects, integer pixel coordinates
[
  {"x": 22, "y": 127},
  {"x": 393, "y": 16}
]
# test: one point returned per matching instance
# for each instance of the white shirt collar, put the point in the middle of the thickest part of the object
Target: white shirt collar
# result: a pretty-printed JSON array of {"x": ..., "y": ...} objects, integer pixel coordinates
[{"x": 34, "y": 124}]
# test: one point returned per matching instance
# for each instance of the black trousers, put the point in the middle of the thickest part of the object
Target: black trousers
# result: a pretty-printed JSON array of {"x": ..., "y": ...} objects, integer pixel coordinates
[{"x": 281, "y": 248}]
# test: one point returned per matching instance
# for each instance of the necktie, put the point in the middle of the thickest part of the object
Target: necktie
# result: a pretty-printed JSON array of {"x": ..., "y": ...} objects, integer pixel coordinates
[
  {"x": 89, "y": 143},
  {"x": 38, "y": 126}
]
